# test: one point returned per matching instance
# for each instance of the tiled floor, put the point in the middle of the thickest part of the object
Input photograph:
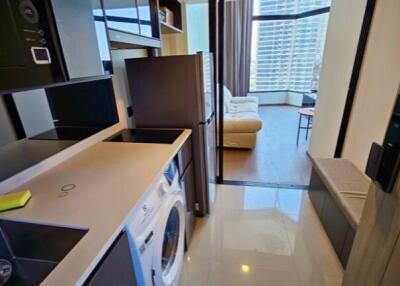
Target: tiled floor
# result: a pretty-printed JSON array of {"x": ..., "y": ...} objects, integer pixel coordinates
[
  {"x": 276, "y": 158},
  {"x": 260, "y": 236}
]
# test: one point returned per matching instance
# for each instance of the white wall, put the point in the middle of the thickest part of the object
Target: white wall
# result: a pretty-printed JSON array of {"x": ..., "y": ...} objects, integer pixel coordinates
[
  {"x": 7, "y": 134},
  {"x": 378, "y": 84},
  {"x": 34, "y": 111},
  {"x": 197, "y": 27},
  {"x": 280, "y": 97},
  {"x": 294, "y": 98},
  {"x": 271, "y": 97},
  {"x": 340, "y": 49}
]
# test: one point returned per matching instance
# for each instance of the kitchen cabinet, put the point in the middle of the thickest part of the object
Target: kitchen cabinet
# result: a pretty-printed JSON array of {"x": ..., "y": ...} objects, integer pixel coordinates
[
  {"x": 336, "y": 225},
  {"x": 184, "y": 159},
  {"x": 78, "y": 37},
  {"x": 132, "y": 23},
  {"x": 51, "y": 43},
  {"x": 116, "y": 268}
]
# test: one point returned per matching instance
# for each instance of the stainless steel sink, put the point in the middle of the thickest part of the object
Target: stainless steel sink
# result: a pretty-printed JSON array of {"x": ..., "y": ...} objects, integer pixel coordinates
[{"x": 33, "y": 250}]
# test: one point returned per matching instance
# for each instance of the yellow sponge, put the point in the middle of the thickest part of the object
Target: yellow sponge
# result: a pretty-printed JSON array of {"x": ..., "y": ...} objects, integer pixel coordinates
[{"x": 14, "y": 200}]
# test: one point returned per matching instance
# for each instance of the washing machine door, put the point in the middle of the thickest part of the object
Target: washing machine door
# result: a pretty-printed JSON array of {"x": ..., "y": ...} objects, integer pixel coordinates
[{"x": 168, "y": 255}]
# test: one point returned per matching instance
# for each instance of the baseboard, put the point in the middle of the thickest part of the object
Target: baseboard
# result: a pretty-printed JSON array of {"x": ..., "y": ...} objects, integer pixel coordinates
[
  {"x": 278, "y": 104},
  {"x": 264, "y": 185}
]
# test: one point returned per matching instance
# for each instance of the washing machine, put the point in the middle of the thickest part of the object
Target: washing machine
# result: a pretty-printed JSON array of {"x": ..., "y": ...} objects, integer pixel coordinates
[{"x": 156, "y": 232}]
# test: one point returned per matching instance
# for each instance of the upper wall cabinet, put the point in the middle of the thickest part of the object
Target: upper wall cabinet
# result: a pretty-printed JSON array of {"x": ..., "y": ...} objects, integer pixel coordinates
[
  {"x": 132, "y": 23},
  {"x": 48, "y": 42},
  {"x": 80, "y": 41}
]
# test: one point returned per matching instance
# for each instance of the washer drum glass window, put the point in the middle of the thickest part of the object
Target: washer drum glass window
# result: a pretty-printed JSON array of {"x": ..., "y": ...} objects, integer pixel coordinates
[{"x": 171, "y": 240}]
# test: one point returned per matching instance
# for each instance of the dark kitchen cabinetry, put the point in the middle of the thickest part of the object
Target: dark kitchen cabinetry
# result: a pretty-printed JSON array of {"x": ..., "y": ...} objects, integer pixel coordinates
[
  {"x": 28, "y": 50},
  {"x": 336, "y": 225},
  {"x": 57, "y": 41},
  {"x": 132, "y": 23},
  {"x": 79, "y": 40},
  {"x": 184, "y": 159},
  {"x": 51, "y": 42},
  {"x": 116, "y": 267}
]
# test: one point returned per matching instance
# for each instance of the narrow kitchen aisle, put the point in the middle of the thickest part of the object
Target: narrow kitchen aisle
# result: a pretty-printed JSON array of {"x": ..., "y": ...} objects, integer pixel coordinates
[{"x": 261, "y": 236}]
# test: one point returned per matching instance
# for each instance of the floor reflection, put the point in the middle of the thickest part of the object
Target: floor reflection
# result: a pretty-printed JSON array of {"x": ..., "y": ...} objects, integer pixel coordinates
[{"x": 261, "y": 236}]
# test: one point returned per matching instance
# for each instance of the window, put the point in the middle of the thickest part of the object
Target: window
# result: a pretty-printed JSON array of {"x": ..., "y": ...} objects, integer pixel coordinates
[{"x": 287, "y": 44}]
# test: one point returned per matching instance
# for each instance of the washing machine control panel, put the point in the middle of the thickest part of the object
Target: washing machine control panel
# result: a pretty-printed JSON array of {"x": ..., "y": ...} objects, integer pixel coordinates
[{"x": 149, "y": 208}]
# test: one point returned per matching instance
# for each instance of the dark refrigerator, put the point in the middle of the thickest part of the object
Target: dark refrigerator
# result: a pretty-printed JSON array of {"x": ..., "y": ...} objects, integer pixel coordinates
[{"x": 178, "y": 92}]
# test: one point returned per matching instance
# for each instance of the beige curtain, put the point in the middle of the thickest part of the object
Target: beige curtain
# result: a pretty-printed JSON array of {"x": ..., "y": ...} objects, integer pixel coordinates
[{"x": 238, "y": 14}]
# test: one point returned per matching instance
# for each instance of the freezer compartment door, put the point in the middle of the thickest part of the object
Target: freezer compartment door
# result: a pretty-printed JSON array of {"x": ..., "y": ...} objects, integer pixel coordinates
[
  {"x": 204, "y": 159},
  {"x": 211, "y": 147},
  {"x": 208, "y": 97}
]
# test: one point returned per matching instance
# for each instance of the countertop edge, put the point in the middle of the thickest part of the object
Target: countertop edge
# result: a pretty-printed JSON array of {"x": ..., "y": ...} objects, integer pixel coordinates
[{"x": 182, "y": 139}]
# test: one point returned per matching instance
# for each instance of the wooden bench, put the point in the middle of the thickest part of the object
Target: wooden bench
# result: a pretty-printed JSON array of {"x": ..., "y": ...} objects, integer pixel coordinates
[{"x": 338, "y": 191}]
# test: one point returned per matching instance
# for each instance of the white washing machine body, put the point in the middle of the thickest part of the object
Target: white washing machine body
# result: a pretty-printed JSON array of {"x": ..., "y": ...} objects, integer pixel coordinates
[
  {"x": 169, "y": 246},
  {"x": 156, "y": 230}
]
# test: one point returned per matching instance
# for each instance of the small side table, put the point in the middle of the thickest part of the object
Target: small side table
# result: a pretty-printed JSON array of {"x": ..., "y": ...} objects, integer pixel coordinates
[{"x": 308, "y": 113}]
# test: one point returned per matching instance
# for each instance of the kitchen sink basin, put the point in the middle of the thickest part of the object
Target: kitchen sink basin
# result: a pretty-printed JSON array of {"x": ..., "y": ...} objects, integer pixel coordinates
[
  {"x": 29, "y": 251},
  {"x": 151, "y": 135}
]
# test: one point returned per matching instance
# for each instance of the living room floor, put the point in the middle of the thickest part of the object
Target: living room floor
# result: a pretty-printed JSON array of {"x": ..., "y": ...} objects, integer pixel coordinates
[
  {"x": 276, "y": 158},
  {"x": 261, "y": 237}
]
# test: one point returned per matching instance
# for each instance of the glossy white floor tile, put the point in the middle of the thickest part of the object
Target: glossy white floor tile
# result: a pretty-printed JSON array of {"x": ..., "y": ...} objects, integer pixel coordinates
[{"x": 261, "y": 236}]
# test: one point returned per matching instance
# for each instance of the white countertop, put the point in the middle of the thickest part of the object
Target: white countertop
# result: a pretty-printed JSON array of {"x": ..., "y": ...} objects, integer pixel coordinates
[{"x": 110, "y": 178}]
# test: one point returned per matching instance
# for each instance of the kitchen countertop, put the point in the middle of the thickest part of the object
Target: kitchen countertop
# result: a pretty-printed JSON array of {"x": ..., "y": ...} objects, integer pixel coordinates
[{"x": 111, "y": 179}]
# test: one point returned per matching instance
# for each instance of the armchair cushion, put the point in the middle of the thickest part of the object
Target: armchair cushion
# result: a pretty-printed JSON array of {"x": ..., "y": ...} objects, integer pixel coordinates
[
  {"x": 245, "y": 99},
  {"x": 241, "y": 120}
]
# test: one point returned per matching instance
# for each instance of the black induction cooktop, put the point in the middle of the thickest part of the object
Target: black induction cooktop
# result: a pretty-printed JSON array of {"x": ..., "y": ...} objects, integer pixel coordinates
[
  {"x": 139, "y": 135},
  {"x": 67, "y": 133}
]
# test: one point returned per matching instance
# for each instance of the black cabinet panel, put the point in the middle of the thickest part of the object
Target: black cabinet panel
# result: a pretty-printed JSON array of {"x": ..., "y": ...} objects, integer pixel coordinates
[
  {"x": 347, "y": 246},
  {"x": 317, "y": 192},
  {"x": 28, "y": 51},
  {"x": 116, "y": 268},
  {"x": 188, "y": 183},
  {"x": 185, "y": 156},
  {"x": 337, "y": 227},
  {"x": 335, "y": 224}
]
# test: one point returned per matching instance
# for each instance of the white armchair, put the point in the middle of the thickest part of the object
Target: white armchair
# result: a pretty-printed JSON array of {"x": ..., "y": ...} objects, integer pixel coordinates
[{"x": 241, "y": 121}]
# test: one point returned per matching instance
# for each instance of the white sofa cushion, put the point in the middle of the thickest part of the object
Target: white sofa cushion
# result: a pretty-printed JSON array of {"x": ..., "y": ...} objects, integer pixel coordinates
[
  {"x": 240, "y": 140},
  {"x": 229, "y": 99},
  {"x": 242, "y": 107},
  {"x": 243, "y": 99},
  {"x": 242, "y": 122}
]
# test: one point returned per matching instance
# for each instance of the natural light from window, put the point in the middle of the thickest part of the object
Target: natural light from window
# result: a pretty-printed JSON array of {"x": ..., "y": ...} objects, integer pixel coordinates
[{"x": 287, "y": 44}]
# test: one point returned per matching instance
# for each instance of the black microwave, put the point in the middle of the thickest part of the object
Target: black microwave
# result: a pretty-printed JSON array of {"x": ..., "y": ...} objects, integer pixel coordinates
[{"x": 50, "y": 41}]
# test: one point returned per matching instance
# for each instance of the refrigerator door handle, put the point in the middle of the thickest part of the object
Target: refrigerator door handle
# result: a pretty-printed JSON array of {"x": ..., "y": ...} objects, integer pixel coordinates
[{"x": 208, "y": 121}]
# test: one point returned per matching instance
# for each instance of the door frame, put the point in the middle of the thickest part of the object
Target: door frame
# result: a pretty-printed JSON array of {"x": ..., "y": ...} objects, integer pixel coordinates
[
  {"x": 216, "y": 38},
  {"x": 355, "y": 75}
]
